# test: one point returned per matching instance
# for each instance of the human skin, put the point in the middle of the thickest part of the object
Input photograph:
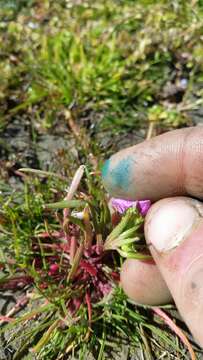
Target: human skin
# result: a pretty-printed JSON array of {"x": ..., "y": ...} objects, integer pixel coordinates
[{"x": 168, "y": 170}]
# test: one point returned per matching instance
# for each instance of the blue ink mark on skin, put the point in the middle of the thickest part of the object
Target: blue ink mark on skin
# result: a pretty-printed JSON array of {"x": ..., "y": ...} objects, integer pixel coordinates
[
  {"x": 120, "y": 174},
  {"x": 105, "y": 168},
  {"x": 118, "y": 177}
]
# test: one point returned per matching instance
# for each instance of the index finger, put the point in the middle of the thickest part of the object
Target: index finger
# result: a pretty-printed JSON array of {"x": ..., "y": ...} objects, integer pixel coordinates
[{"x": 168, "y": 165}]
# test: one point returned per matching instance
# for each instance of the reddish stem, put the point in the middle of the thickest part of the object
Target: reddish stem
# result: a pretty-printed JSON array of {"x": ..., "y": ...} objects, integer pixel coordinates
[
  {"x": 16, "y": 282},
  {"x": 89, "y": 306},
  {"x": 73, "y": 248},
  {"x": 176, "y": 330},
  {"x": 5, "y": 319}
]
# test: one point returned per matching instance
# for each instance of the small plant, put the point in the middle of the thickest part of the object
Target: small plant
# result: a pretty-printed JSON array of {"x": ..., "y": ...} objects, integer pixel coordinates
[{"x": 71, "y": 264}]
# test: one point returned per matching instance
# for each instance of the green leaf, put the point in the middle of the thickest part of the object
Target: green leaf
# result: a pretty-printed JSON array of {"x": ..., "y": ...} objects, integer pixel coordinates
[
  {"x": 66, "y": 204},
  {"x": 41, "y": 173}
]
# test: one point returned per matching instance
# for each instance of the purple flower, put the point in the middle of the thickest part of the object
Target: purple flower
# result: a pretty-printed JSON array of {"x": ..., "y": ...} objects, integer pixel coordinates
[
  {"x": 121, "y": 205},
  {"x": 143, "y": 206}
]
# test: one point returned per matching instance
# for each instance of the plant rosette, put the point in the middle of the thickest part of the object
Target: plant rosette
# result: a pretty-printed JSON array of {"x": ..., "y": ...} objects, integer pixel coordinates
[{"x": 74, "y": 266}]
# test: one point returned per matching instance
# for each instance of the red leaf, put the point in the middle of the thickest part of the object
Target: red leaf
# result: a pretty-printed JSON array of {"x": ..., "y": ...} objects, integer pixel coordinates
[
  {"x": 105, "y": 288},
  {"x": 74, "y": 305},
  {"x": 88, "y": 267},
  {"x": 115, "y": 276}
]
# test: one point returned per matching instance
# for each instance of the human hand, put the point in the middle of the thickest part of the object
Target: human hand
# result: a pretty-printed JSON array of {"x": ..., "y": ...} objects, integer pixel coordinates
[{"x": 168, "y": 170}]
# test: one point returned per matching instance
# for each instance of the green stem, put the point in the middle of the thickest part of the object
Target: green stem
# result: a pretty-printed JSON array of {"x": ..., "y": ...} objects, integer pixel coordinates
[
  {"x": 76, "y": 262},
  {"x": 46, "y": 336}
]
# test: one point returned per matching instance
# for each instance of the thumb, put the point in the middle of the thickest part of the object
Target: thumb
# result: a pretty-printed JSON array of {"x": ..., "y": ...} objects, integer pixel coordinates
[{"x": 174, "y": 233}]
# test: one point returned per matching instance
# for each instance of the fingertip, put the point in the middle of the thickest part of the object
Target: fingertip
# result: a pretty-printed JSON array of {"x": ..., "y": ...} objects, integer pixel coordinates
[
  {"x": 143, "y": 283},
  {"x": 174, "y": 229}
]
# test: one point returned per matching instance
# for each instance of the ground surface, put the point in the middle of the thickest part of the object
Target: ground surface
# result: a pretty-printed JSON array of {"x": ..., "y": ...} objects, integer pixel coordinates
[{"x": 110, "y": 69}]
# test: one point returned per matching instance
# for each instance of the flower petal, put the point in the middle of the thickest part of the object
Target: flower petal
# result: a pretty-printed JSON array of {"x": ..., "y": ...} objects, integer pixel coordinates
[
  {"x": 143, "y": 206},
  {"x": 121, "y": 205}
]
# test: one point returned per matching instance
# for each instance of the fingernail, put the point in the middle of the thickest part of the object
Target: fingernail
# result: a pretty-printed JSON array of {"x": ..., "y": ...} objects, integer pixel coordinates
[{"x": 174, "y": 220}]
